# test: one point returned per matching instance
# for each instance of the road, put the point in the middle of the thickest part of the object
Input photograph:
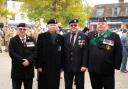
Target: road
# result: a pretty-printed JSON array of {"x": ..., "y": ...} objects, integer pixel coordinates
[{"x": 5, "y": 80}]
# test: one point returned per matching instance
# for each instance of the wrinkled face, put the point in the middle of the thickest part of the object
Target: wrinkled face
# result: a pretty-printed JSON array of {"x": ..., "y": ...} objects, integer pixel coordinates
[
  {"x": 101, "y": 27},
  {"x": 52, "y": 27},
  {"x": 22, "y": 31},
  {"x": 74, "y": 27}
]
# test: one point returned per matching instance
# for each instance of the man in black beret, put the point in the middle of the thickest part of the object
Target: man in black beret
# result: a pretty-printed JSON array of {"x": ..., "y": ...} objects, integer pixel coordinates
[
  {"x": 76, "y": 54},
  {"x": 49, "y": 57},
  {"x": 105, "y": 55},
  {"x": 22, "y": 51}
]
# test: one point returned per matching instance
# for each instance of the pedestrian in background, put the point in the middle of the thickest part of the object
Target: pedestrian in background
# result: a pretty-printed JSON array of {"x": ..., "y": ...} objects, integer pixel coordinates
[
  {"x": 124, "y": 41},
  {"x": 22, "y": 51}
]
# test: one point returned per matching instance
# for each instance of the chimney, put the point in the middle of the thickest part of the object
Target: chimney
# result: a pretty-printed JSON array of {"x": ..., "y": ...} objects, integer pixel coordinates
[{"x": 121, "y": 1}]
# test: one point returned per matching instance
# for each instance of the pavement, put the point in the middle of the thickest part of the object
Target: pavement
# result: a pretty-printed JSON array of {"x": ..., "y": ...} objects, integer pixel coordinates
[{"x": 121, "y": 81}]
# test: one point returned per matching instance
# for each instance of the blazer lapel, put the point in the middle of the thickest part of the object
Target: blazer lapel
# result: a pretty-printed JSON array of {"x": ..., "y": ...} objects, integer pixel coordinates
[{"x": 19, "y": 41}]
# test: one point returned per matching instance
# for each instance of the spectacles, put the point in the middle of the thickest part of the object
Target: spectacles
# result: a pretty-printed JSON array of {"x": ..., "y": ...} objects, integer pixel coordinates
[
  {"x": 73, "y": 25},
  {"x": 22, "y": 29}
]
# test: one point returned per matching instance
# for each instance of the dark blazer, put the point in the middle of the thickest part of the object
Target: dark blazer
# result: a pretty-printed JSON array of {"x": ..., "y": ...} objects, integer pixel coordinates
[
  {"x": 104, "y": 58},
  {"x": 76, "y": 57},
  {"x": 17, "y": 52}
]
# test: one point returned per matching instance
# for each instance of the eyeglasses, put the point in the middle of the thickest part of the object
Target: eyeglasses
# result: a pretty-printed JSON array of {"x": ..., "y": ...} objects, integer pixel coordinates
[
  {"x": 22, "y": 29},
  {"x": 73, "y": 25}
]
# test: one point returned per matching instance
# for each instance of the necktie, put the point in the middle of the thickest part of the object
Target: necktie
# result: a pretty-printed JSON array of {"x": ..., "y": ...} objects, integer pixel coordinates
[
  {"x": 72, "y": 41},
  {"x": 23, "y": 42}
]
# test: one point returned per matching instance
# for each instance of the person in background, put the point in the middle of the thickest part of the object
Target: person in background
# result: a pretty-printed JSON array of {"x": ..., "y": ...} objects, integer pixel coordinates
[{"x": 124, "y": 41}]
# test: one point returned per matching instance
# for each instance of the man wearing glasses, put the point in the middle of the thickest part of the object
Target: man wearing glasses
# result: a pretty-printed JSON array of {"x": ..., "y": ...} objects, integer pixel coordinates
[
  {"x": 76, "y": 54},
  {"x": 21, "y": 51}
]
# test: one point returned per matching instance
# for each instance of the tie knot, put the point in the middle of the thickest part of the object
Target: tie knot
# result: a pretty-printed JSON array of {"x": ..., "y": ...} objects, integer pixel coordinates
[{"x": 73, "y": 34}]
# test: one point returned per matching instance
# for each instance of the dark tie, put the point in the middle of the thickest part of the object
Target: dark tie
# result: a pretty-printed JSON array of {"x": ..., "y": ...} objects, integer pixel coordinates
[
  {"x": 72, "y": 41},
  {"x": 23, "y": 42}
]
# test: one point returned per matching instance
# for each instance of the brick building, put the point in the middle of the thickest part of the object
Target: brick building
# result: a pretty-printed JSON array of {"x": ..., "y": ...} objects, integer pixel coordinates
[{"x": 116, "y": 15}]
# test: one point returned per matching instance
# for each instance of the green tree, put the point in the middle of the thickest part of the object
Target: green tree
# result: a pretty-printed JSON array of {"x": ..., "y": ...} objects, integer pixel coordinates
[
  {"x": 62, "y": 10},
  {"x": 3, "y": 11}
]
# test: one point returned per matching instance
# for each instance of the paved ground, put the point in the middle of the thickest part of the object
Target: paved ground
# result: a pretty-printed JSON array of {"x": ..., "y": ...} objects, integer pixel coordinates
[{"x": 5, "y": 81}]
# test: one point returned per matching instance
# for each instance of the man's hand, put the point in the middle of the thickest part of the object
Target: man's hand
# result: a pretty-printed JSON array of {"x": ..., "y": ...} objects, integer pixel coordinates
[
  {"x": 26, "y": 63},
  {"x": 83, "y": 69}
]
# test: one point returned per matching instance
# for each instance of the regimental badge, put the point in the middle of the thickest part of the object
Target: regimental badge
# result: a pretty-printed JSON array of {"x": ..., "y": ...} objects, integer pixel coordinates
[
  {"x": 79, "y": 37},
  {"x": 75, "y": 21},
  {"x": 108, "y": 47}
]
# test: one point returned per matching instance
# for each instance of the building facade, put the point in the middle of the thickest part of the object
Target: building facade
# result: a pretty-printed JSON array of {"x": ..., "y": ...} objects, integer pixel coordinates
[
  {"x": 116, "y": 15},
  {"x": 19, "y": 16}
]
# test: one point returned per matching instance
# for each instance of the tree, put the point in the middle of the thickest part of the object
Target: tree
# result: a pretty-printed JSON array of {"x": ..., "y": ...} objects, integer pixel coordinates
[
  {"x": 3, "y": 11},
  {"x": 62, "y": 10}
]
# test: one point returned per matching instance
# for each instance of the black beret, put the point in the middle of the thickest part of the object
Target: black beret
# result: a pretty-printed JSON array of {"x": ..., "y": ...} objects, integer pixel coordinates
[
  {"x": 22, "y": 25},
  {"x": 102, "y": 19},
  {"x": 52, "y": 21},
  {"x": 74, "y": 21}
]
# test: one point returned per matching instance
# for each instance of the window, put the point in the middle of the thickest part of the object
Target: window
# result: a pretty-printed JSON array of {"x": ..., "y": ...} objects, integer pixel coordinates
[
  {"x": 99, "y": 12},
  {"x": 115, "y": 11},
  {"x": 22, "y": 16},
  {"x": 12, "y": 17},
  {"x": 13, "y": 5},
  {"x": 126, "y": 10}
]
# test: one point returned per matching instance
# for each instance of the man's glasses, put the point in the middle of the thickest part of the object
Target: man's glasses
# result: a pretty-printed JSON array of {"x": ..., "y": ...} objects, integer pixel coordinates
[{"x": 73, "y": 25}]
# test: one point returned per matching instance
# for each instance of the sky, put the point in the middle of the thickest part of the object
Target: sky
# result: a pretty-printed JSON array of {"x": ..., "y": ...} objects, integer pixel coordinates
[{"x": 95, "y": 2}]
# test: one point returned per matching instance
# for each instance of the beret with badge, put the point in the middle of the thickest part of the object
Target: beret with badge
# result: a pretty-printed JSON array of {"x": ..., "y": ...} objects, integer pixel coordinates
[
  {"x": 22, "y": 25},
  {"x": 52, "y": 21},
  {"x": 102, "y": 19},
  {"x": 74, "y": 21}
]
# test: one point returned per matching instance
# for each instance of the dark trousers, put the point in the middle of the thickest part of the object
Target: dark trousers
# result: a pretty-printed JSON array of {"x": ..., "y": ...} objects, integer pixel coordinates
[
  {"x": 17, "y": 83},
  {"x": 100, "y": 81},
  {"x": 79, "y": 80}
]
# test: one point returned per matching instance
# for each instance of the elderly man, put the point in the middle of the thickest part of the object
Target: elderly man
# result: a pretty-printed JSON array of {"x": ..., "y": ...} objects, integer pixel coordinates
[
  {"x": 76, "y": 54},
  {"x": 49, "y": 57},
  {"x": 21, "y": 51},
  {"x": 105, "y": 55}
]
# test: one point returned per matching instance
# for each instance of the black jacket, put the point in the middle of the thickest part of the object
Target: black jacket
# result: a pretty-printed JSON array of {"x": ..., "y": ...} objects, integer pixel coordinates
[
  {"x": 76, "y": 57},
  {"x": 104, "y": 58},
  {"x": 17, "y": 52}
]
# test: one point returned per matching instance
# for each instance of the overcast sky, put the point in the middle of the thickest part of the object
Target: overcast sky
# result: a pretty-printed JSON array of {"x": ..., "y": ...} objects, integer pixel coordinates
[{"x": 95, "y": 2}]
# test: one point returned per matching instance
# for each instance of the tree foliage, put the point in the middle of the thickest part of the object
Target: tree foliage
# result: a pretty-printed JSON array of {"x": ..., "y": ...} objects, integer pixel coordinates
[
  {"x": 62, "y": 10},
  {"x": 3, "y": 11}
]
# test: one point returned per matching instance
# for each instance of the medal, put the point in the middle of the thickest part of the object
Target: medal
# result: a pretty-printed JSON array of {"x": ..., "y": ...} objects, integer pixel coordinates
[{"x": 108, "y": 47}]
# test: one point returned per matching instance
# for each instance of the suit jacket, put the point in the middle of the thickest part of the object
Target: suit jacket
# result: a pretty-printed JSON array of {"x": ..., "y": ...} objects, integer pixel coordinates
[
  {"x": 105, "y": 58},
  {"x": 17, "y": 52},
  {"x": 76, "y": 57}
]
